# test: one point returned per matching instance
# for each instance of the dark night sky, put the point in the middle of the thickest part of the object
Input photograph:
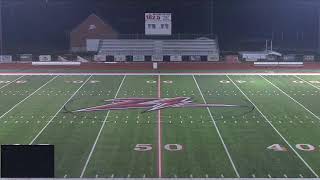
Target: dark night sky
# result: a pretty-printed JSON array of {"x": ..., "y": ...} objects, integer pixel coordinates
[{"x": 30, "y": 24}]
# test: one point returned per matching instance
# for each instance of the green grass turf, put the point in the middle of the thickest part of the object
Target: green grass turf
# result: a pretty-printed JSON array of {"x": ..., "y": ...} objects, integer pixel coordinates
[{"x": 32, "y": 112}]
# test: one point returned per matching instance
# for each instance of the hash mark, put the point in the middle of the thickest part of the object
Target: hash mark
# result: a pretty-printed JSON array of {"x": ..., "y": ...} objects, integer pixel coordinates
[
  {"x": 269, "y": 176},
  {"x": 285, "y": 176},
  {"x": 301, "y": 175},
  {"x": 253, "y": 175}
]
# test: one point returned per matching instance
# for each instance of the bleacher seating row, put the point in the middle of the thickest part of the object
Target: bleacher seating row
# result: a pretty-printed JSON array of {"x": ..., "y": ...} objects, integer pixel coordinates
[{"x": 133, "y": 47}]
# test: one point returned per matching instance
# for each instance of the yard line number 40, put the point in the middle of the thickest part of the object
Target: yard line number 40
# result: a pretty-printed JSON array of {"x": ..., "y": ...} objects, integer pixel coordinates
[
  {"x": 148, "y": 147},
  {"x": 302, "y": 147}
]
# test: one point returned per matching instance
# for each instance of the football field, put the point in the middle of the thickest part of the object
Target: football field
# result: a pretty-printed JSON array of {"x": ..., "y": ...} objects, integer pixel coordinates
[{"x": 274, "y": 131}]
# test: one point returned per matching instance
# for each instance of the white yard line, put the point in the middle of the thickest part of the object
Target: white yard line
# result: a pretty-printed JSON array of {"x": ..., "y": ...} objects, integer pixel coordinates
[
  {"x": 275, "y": 129},
  {"x": 40, "y": 132},
  {"x": 307, "y": 82},
  {"x": 12, "y": 82},
  {"x": 167, "y": 74},
  {"x": 291, "y": 98},
  {"x": 98, "y": 136},
  {"x": 218, "y": 131},
  {"x": 27, "y": 97}
]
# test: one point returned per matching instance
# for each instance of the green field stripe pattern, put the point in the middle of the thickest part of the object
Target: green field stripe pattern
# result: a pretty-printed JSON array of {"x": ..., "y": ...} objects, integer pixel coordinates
[
  {"x": 7, "y": 80},
  {"x": 203, "y": 154},
  {"x": 115, "y": 154},
  {"x": 73, "y": 133},
  {"x": 285, "y": 115},
  {"x": 22, "y": 124},
  {"x": 245, "y": 132},
  {"x": 279, "y": 138},
  {"x": 15, "y": 92},
  {"x": 308, "y": 120},
  {"x": 101, "y": 128}
]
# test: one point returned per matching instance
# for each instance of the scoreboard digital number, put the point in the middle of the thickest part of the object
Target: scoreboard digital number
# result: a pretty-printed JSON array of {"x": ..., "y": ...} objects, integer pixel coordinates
[
  {"x": 153, "y": 17},
  {"x": 158, "y": 24}
]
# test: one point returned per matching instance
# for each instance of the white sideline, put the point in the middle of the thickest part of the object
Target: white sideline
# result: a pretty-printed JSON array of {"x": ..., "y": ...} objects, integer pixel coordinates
[
  {"x": 166, "y": 74},
  {"x": 275, "y": 129},
  {"x": 59, "y": 111},
  {"x": 98, "y": 136},
  {"x": 218, "y": 131},
  {"x": 291, "y": 97},
  {"x": 27, "y": 97},
  {"x": 12, "y": 82},
  {"x": 307, "y": 82}
]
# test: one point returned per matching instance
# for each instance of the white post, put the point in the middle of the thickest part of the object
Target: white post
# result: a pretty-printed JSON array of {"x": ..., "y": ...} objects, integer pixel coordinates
[
  {"x": 155, "y": 65},
  {"x": 266, "y": 45}
]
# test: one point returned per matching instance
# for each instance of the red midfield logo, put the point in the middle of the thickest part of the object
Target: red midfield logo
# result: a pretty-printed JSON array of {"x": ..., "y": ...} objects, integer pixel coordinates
[{"x": 150, "y": 104}]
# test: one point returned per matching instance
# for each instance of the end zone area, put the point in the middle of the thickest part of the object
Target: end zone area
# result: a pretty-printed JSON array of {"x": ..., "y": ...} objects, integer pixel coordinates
[{"x": 274, "y": 134}]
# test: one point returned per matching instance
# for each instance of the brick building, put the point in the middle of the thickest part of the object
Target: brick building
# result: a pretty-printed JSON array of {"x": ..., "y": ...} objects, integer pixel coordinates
[{"x": 93, "y": 27}]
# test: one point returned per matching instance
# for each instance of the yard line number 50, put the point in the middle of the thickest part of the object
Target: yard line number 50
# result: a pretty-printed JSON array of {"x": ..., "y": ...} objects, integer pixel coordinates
[{"x": 148, "y": 147}]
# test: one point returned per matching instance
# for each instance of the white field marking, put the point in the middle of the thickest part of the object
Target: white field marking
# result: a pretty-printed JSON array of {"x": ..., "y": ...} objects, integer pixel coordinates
[
  {"x": 100, "y": 131},
  {"x": 159, "y": 132},
  {"x": 27, "y": 97},
  {"x": 291, "y": 98},
  {"x": 154, "y": 74},
  {"x": 59, "y": 111},
  {"x": 307, "y": 82},
  {"x": 217, "y": 129},
  {"x": 12, "y": 82},
  {"x": 275, "y": 129}
]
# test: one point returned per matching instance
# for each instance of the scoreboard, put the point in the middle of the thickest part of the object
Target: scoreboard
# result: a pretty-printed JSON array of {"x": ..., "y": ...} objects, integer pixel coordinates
[{"x": 158, "y": 24}]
